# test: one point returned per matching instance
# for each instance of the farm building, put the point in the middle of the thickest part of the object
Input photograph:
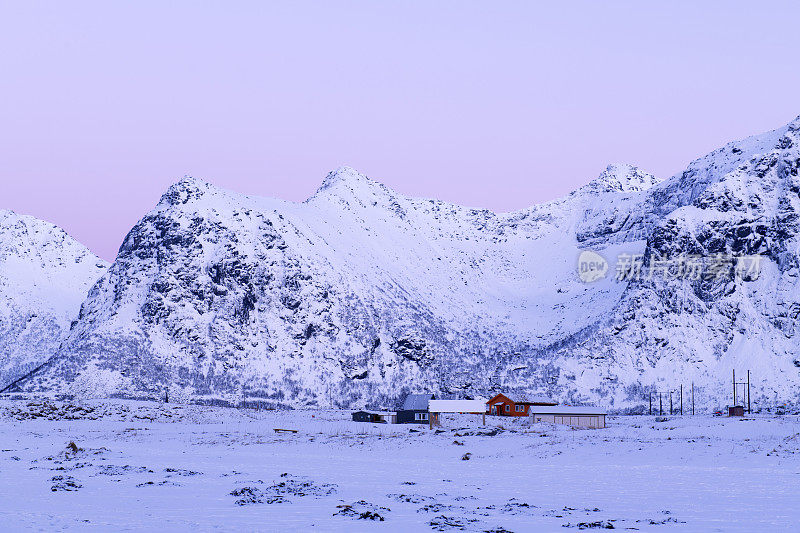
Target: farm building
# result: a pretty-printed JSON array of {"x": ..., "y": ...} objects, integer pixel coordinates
[
  {"x": 364, "y": 416},
  {"x": 387, "y": 417},
  {"x": 415, "y": 409},
  {"x": 502, "y": 405},
  {"x": 578, "y": 416},
  {"x": 379, "y": 418}
]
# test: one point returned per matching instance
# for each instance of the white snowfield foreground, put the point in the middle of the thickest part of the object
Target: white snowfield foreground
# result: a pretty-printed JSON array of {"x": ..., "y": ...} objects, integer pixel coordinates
[{"x": 144, "y": 467}]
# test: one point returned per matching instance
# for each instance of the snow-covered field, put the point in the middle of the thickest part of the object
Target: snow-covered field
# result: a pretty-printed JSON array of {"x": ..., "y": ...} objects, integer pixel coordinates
[{"x": 147, "y": 466}]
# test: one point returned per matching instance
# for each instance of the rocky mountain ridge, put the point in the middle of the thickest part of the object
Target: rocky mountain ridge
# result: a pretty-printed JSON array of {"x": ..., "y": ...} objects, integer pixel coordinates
[{"x": 359, "y": 295}]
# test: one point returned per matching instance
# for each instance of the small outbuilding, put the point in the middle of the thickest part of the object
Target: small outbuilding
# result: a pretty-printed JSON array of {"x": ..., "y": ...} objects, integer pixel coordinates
[
  {"x": 381, "y": 417},
  {"x": 577, "y": 416},
  {"x": 415, "y": 409},
  {"x": 736, "y": 410},
  {"x": 387, "y": 417},
  {"x": 365, "y": 416}
]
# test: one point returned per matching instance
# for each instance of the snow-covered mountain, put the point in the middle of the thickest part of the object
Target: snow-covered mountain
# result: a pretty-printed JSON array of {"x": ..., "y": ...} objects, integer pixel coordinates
[
  {"x": 44, "y": 277},
  {"x": 355, "y": 295},
  {"x": 740, "y": 200},
  {"x": 358, "y": 294}
]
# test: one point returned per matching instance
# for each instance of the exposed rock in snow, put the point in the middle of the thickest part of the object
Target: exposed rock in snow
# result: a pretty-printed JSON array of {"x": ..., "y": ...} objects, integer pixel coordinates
[{"x": 44, "y": 277}]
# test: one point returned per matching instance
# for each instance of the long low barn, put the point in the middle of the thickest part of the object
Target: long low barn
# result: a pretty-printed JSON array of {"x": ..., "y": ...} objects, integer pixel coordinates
[{"x": 578, "y": 416}]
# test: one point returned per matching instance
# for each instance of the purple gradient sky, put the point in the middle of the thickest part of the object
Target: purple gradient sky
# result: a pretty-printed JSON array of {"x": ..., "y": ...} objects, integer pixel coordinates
[{"x": 104, "y": 104}]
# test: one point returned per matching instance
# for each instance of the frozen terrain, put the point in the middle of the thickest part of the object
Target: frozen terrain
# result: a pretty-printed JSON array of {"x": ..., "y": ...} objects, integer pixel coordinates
[{"x": 147, "y": 466}]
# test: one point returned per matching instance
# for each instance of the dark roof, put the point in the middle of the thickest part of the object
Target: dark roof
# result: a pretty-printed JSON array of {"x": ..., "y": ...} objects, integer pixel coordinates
[{"x": 417, "y": 402}]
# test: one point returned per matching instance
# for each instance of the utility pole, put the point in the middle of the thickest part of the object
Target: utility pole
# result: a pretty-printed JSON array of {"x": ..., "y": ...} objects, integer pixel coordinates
[
  {"x": 748, "y": 393},
  {"x": 650, "y": 400},
  {"x": 681, "y": 399},
  {"x": 692, "y": 398},
  {"x": 671, "y": 411},
  {"x": 660, "y": 409},
  {"x": 745, "y": 392}
]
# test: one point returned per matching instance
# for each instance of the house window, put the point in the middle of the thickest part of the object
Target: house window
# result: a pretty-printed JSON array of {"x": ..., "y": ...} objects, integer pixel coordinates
[
  {"x": 508, "y": 408},
  {"x": 421, "y": 416},
  {"x": 519, "y": 408}
]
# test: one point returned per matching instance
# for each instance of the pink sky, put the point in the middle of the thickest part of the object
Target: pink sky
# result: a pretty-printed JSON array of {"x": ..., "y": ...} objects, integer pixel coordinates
[{"x": 494, "y": 104}]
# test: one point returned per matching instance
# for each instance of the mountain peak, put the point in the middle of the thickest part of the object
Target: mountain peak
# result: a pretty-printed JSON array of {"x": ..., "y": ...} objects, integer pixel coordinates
[
  {"x": 7, "y": 217},
  {"x": 348, "y": 182},
  {"x": 19, "y": 224},
  {"x": 344, "y": 174},
  {"x": 187, "y": 189},
  {"x": 6, "y": 214},
  {"x": 622, "y": 177},
  {"x": 44, "y": 276}
]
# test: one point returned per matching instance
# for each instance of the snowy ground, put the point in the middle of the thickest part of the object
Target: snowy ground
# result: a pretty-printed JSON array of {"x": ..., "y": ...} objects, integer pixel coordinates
[{"x": 140, "y": 466}]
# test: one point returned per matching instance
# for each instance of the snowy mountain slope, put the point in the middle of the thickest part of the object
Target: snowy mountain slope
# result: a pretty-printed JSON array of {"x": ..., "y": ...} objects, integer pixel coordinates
[
  {"x": 44, "y": 277},
  {"x": 359, "y": 294},
  {"x": 743, "y": 199},
  {"x": 352, "y": 296}
]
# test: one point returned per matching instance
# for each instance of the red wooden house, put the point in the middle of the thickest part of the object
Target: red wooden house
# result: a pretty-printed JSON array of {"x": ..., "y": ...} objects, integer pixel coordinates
[{"x": 502, "y": 405}]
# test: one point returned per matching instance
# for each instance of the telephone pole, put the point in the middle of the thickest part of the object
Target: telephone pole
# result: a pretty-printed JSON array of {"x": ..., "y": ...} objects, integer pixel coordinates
[
  {"x": 748, "y": 393},
  {"x": 745, "y": 391}
]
